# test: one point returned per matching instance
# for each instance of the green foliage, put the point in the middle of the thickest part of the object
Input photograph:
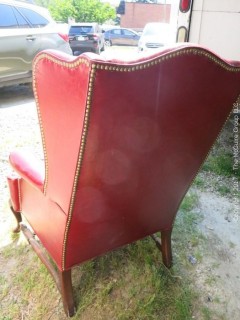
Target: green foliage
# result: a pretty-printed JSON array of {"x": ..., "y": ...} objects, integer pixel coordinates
[
  {"x": 93, "y": 11},
  {"x": 224, "y": 190},
  {"x": 221, "y": 164},
  {"x": 43, "y": 3},
  {"x": 206, "y": 313},
  {"x": 80, "y": 10},
  {"x": 198, "y": 182},
  {"x": 61, "y": 10},
  {"x": 189, "y": 202}
]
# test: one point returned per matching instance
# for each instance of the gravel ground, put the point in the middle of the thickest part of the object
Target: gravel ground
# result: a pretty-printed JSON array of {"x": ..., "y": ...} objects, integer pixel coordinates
[
  {"x": 216, "y": 275},
  {"x": 19, "y": 129}
]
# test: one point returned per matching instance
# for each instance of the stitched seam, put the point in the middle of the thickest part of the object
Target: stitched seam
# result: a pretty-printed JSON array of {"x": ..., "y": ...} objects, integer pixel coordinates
[
  {"x": 110, "y": 67},
  {"x": 65, "y": 64},
  {"x": 79, "y": 162},
  {"x": 19, "y": 196},
  {"x": 41, "y": 128}
]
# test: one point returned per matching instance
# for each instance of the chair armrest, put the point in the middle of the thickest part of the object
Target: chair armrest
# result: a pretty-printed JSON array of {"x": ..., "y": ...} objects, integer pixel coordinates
[{"x": 28, "y": 167}]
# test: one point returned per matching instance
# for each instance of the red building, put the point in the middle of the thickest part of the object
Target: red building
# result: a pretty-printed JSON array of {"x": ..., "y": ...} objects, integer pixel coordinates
[{"x": 138, "y": 14}]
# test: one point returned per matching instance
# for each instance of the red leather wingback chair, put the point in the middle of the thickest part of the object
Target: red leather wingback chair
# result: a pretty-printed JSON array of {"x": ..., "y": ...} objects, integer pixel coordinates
[{"x": 122, "y": 143}]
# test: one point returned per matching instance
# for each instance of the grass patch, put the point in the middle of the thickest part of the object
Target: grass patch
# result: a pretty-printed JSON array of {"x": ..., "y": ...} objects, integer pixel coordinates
[
  {"x": 199, "y": 182},
  {"x": 131, "y": 283},
  {"x": 206, "y": 313},
  {"x": 126, "y": 284},
  {"x": 189, "y": 202},
  {"x": 220, "y": 160},
  {"x": 221, "y": 164},
  {"x": 211, "y": 280},
  {"x": 224, "y": 190},
  {"x": 188, "y": 238}
]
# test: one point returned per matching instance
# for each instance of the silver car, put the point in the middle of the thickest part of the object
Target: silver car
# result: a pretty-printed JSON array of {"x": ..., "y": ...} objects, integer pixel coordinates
[
  {"x": 121, "y": 36},
  {"x": 156, "y": 35},
  {"x": 25, "y": 30}
]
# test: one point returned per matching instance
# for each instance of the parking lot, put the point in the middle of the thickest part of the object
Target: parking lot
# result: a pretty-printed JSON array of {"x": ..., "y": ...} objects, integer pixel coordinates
[
  {"x": 20, "y": 95},
  {"x": 15, "y": 96}
]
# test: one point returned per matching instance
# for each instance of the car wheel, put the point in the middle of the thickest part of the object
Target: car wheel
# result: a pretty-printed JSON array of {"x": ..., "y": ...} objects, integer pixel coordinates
[
  {"x": 98, "y": 51},
  {"x": 108, "y": 42}
]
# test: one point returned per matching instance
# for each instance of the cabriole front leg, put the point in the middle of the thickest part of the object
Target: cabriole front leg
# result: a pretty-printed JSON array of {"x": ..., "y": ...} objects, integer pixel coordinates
[{"x": 17, "y": 216}]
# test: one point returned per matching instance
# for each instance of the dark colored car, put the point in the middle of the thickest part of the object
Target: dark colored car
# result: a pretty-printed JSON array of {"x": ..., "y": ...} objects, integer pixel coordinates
[
  {"x": 121, "y": 36},
  {"x": 86, "y": 37}
]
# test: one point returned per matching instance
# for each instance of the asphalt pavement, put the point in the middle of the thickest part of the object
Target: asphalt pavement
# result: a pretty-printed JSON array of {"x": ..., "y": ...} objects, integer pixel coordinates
[{"x": 16, "y": 95}]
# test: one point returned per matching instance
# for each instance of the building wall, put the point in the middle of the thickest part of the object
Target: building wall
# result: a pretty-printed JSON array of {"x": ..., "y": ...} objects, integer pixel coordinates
[{"x": 138, "y": 14}]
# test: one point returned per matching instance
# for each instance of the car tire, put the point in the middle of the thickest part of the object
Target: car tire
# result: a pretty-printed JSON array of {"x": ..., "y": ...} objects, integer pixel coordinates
[
  {"x": 108, "y": 43},
  {"x": 98, "y": 50}
]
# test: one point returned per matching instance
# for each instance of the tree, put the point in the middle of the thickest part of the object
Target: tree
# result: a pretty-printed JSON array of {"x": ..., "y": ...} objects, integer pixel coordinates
[
  {"x": 61, "y": 10},
  {"x": 43, "y": 3},
  {"x": 81, "y": 10},
  {"x": 93, "y": 11}
]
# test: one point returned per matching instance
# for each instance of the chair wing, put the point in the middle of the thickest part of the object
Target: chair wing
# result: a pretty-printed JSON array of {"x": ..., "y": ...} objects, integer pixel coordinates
[{"x": 123, "y": 141}]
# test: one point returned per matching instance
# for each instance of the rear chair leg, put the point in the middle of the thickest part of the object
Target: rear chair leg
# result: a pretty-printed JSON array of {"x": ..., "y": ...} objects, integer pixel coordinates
[
  {"x": 62, "y": 279},
  {"x": 18, "y": 217},
  {"x": 165, "y": 246},
  {"x": 67, "y": 292}
]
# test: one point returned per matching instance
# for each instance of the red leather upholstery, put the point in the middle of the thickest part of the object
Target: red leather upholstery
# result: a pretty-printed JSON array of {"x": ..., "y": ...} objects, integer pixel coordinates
[
  {"x": 123, "y": 141},
  {"x": 13, "y": 184},
  {"x": 30, "y": 168}
]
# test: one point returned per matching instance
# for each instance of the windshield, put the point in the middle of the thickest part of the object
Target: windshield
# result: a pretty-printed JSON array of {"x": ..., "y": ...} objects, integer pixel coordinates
[
  {"x": 156, "y": 30},
  {"x": 81, "y": 29}
]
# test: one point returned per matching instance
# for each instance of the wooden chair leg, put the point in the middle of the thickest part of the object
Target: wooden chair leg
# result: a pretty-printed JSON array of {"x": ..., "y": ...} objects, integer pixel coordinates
[
  {"x": 166, "y": 246},
  {"x": 18, "y": 217},
  {"x": 67, "y": 292},
  {"x": 62, "y": 279}
]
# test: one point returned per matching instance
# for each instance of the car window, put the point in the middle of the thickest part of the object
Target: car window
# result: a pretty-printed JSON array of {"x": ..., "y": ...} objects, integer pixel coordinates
[
  {"x": 36, "y": 20},
  {"x": 128, "y": 33},
  {"x": 7, "y": 17},
  {"x": 22, "y": 23},
  {"x": 80, "y": 30},
  {"x": 116, "y": 31},
  {"x": 153, "y": 30}
]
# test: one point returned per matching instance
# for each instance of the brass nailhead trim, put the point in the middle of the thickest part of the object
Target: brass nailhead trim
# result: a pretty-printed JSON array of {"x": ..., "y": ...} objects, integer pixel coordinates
[
  {"x": 70, "y": 65},
  {"x": 19, "y": 196},
  {"x": 171, "y": 55},
  {"x": 196, "y": 51},
  {"x": 79, "y": 163},
  {"x": 41, "y": 127}
]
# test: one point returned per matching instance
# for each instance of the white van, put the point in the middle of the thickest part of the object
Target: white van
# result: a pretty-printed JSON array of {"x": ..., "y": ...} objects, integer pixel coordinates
[{"x": 211, "y": 23}]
